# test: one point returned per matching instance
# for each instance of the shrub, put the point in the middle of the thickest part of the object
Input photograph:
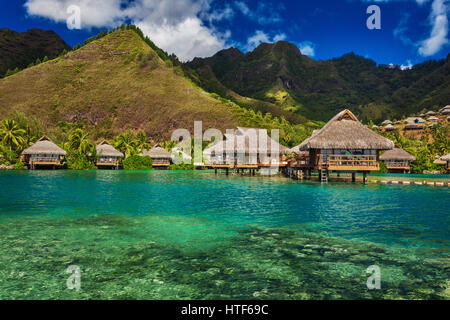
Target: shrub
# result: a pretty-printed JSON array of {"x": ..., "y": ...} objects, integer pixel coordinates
[
  {"x": 79, "y": 162},
  {"x": 19, "y": 165},
  {"x": 182, "y": 166},
  {"x": 137, "y": 163}
]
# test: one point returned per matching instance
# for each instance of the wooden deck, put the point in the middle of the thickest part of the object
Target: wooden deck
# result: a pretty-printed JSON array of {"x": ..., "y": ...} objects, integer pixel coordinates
[
  {"x": 352, "y": 163},
  {"x": 161, "y": 164}
]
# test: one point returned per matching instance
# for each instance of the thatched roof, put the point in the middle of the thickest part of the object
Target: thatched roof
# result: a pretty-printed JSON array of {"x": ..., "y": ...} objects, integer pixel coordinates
[
  {"x": 389, "y": 127},
  {"x": 158, "y": 152},
  {"x": 44, "y": 146},
  {"x": 414, "y": 120},
  {"x": 238, "y": 142},
  {"x": 106, "y": 150},
  {"x": 386, "y": 122},
  {"x": 439, "y": 161},
  {"x": 344, "y": 131},
  {"x": 445, "y": 111},
  {"x": 433, "y": 118},
  {"x": 397, "y": 154},
  {"x": 431, "y": 113},
  {"x": 412, "y": 125},
  {"x": 446, "y": 157},
  {"x": 297, "y": 151}
]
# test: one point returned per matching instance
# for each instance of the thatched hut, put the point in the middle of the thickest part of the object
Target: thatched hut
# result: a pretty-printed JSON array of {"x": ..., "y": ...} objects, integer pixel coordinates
[
  {"x": 445, "y": 110},
  {"x": 431, "y": 113},
  {"x": 107, "y": 156},
  {"x": 389, "y": 128},
  {"x": 397, "y": 160},
  {"x": 246, "y": 148},
  {"x": 386, "y": 122},
  {"x": 446, "y": 158},
  {"x": 345, "y": 145},
  {"x": 44, "y": 153},
  {"x": 433, "y": 119},
  {"x": 416, "y": 120},
  {"x": 161, "y": 158},
  {"x": 410, "y": 126}
]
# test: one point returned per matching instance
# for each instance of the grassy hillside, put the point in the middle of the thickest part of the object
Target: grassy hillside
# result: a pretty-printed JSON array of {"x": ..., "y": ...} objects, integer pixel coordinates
[
  {"x": 18, "y": 50},
  {"x": 110, "y": 85}
]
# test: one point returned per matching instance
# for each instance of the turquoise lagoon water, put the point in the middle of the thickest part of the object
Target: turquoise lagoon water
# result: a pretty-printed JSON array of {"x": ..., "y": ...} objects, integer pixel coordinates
[{"x": 194, "y": 235}]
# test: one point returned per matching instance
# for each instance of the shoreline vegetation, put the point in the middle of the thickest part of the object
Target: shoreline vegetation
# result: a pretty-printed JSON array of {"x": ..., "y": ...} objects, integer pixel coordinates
[
  {"x": 78, "y": 138},
  {"x": 21, "y": 132}
]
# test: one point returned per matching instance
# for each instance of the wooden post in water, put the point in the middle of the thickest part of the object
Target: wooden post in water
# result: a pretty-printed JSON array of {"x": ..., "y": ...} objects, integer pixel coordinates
[
  {"x": 365, "y": 177},
  {"x": 353, "y": 177}
]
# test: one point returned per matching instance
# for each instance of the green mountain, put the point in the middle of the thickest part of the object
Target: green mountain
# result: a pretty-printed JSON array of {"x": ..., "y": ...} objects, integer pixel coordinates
[
  {"x": 110, "y": 85},
  {"x": 18, "y": 50},
  {"x": 280, "y": 74}
]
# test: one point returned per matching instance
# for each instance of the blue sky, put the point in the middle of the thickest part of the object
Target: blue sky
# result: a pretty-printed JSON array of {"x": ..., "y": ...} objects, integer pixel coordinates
[{"x": 412, "y": 31}]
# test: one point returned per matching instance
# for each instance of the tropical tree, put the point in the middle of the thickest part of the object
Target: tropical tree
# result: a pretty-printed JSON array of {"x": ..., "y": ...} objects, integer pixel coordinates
[
  {"x": 141, "y": 142},
  {"x": 125, "y": 144},
  {"x": 78, "y": 141},
  {"x": 11, "y": 134},
  {"x": 28, "y": 137}
]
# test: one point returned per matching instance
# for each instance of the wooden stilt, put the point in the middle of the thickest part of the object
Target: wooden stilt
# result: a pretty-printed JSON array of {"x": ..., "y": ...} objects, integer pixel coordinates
[{"x": 353, "y": 177}]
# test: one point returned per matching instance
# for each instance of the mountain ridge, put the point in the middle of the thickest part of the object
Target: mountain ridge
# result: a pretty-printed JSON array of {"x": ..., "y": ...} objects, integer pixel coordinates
[
  {"x": 18, "y": 50},
  {"x": 279, "y": 73}
]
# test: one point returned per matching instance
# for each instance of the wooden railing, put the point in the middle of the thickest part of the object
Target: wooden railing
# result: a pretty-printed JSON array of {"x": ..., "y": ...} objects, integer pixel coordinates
[
  {"x": 397, "y": 164},
  {"x": 350, "y": 161},
  {"x": 104, "y": 162},
  {"x": 45, "y": 160}
]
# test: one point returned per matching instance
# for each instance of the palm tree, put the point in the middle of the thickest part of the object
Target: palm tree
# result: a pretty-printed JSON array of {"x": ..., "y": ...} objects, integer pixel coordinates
[
  {"x": 11, "y": 134},
  {"x": 141, "y": 142},
  {"x": 124, "y": 143},
  {"x": 78, "y": 141},
  {"x": 28, "y": 137}
]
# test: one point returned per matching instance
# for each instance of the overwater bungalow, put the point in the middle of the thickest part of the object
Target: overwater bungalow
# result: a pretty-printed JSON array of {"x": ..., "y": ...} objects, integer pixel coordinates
[
  {"x": 344, "y": 145},
  {"x": 246, "y": 148},
  {"x": 107, "y": 156},
  {"x": 431, "y": 113},
  {"x": 397, "y": 160},
  {"x": 161, "y": 158},
  {"x": 44, "y": 154}
]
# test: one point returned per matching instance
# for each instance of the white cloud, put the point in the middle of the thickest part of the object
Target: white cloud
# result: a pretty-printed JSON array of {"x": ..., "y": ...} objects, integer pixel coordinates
[
  {"x": 279, "y": 37},
  {"x": 439, "y": 21},
  {"x": 307, "y": 48},
  {"x": 256, "y": 39},
  {"x": 401, "y": 29},
  {"x": 408, "y": 66},
  {"x": 261, "y": 37},
  {"x": 264, "y": 13},
  {"x": 174, "y": 25},
  {"x": 188, "y": 39}
]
